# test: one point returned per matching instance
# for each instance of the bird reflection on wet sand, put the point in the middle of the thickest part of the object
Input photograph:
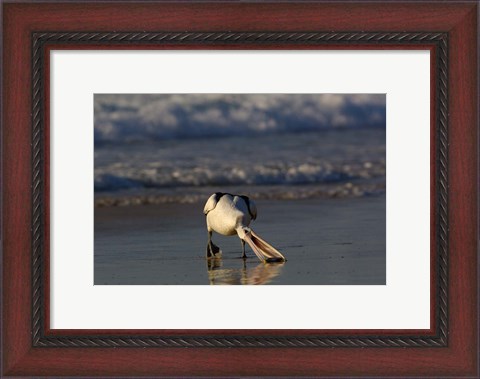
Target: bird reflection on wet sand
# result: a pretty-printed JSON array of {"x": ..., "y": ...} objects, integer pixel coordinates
[{"x": 259, "y": 274}]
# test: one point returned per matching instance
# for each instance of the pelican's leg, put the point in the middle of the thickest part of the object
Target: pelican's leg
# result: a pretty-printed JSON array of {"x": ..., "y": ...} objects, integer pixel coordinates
[
  {"x": 244, "y": 256},
  {"x": 212, "y": 249},
  {"x": 209, "y": 245}
]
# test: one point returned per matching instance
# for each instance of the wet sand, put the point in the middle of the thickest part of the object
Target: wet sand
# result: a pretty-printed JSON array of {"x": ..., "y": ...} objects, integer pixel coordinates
[{"x": 325, "y": 241}]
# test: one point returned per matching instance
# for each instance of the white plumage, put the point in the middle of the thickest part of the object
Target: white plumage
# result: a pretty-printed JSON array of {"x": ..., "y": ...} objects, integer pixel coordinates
[{"x": 228, "y": 215}]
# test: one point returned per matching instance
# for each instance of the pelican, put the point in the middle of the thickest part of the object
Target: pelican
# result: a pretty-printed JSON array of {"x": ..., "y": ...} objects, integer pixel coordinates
[{"x": 228, "y": 215}]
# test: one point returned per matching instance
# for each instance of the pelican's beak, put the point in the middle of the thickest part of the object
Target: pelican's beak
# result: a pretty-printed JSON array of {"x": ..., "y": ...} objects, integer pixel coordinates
[{"x": 262, "y": 249}]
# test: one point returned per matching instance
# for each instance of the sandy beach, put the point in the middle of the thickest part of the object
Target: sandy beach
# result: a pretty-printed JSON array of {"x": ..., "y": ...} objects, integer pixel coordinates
[{"x": 326, "y": 241}]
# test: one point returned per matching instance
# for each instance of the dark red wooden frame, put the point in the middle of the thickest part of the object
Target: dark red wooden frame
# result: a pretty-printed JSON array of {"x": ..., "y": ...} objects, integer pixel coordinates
[{"x": 20, "y": 358}]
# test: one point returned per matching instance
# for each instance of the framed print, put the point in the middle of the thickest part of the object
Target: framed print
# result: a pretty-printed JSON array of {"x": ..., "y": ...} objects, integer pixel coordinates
[{"x": 255, "y": 189}]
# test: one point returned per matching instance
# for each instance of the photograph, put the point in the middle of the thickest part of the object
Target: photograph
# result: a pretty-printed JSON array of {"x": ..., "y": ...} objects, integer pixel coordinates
[{"x": 240, "y": 189}]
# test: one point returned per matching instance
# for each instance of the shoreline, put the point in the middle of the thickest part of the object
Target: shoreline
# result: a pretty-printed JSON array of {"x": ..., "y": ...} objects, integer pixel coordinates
[{"x": 189, "y": 195}]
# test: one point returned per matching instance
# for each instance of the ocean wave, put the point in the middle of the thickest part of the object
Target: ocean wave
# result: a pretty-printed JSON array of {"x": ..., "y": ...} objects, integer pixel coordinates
[
  {"x": 334, "y": 163},
  {"x": 141, "y": 117},
  {"x": 121, "y": 177}
]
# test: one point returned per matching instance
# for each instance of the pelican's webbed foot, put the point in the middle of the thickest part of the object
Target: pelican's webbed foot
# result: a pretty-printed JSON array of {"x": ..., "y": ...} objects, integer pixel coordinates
[{"x": 213, "y": 251}]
